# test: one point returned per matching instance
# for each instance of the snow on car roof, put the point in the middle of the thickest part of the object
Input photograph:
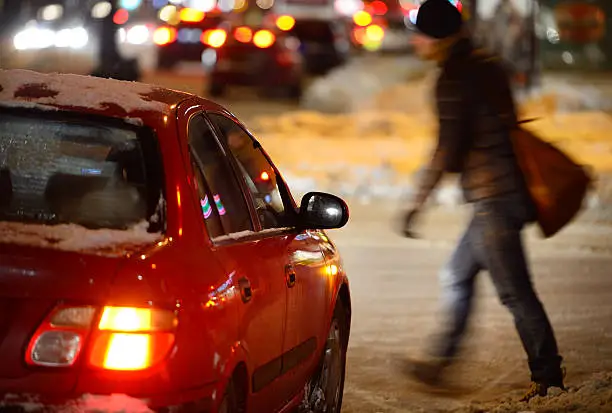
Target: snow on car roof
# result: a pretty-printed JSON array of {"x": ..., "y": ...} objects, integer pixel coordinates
[{"x": 108, "y": 96}]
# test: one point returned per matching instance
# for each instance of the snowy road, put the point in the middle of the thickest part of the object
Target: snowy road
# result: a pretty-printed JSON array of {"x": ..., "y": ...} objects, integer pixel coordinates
[{"x": 394, "y": 292}]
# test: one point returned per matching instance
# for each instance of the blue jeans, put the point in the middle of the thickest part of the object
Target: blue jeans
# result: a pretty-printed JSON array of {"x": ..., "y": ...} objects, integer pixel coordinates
[{"x": 493, "y": 242}]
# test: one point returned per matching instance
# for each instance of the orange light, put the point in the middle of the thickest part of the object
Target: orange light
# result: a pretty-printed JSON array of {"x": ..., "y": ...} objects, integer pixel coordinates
[
  {"x": 214, "y": 38},
  {"x": 178, "y": 197},
  {"x": 362, "y": 18},
  {"x": 264, "y": 39},
  {"x": 265, "y": 176},
  {"x": 191, "y": 15},
  {"x": 360, "y": 35},
  {"x": 243, "y": 34},
  {"x": 375, "y": 33},
  {"x": 285, "y": 23},
  {"x": 164, "y": 35}
]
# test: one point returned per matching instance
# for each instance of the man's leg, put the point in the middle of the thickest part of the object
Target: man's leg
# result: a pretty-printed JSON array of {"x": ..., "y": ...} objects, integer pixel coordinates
[
  {"x": 503, "y": 256},
  {"x": 457, "y": 283}
]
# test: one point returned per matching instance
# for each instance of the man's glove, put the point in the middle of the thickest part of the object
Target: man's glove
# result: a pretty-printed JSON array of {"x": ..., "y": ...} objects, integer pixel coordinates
[{"x": 407, "y": 223}]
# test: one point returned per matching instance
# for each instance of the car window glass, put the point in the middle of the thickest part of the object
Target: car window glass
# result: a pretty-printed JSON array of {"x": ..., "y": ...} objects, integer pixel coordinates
[
  {"x": 227, "y": 197},
  {"x": 258, "y": 173},
  {"x": 211, "y": 216}
]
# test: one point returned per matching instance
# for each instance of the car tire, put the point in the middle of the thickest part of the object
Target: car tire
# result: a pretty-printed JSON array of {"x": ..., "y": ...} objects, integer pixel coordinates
[
  {"x": 231, "y": 400},
  {"x": 324, "y": 391},
  {"x": 216, "y": 90}
]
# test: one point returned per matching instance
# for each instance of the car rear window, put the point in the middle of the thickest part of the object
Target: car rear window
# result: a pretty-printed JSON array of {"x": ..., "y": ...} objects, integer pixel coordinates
[
  {"x": 96, "y": 174},
  {"x": 313, "y": 31}
]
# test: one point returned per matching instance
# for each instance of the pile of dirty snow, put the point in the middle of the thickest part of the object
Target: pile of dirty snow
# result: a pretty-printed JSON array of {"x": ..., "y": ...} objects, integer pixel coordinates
[
  {"x": 594, "y": 395},
  {"x": 351, "y": 87}
]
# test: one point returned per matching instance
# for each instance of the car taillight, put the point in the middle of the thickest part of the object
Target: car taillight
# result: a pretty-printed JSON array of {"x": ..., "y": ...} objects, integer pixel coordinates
[
  {"x": 60, "y": 338},
  {"x": 285, "y": 23},
  {"x": 243, "y": 34},
  {"x": 125, "y": 338},
  {"x": 164, "y": 35},
  {"x": 132, "y": 338},
  {"x": 214, "y": 38},
  {"x": 264, "y": 39}
]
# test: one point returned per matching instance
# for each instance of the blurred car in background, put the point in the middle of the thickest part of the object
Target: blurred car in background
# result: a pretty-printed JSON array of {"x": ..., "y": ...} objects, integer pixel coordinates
[
  {"x": 324, "y": 44},
  {"x": 180, "y": 38},
  {"x": 253, "y": 55}
]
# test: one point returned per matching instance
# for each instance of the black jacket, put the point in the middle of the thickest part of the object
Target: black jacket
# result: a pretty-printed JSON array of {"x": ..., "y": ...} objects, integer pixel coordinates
[{"x": 476, "y": 112}]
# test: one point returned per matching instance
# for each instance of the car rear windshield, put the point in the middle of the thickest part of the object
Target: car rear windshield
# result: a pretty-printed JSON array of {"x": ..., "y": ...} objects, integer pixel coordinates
[
  {"x": 67, "y": 170},
  {"x": 313, "y": 31}
]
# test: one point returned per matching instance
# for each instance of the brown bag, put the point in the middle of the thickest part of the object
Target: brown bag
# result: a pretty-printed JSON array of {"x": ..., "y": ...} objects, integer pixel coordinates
[{"x": 556, "y": 183}]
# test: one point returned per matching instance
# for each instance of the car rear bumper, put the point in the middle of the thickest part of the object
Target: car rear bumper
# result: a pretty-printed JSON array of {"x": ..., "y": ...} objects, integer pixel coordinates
[{"x": 199, "y": 400}]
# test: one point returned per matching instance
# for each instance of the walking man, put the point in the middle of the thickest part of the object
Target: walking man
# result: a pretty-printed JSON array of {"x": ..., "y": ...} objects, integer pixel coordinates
[{"x": 476, "y": 114}]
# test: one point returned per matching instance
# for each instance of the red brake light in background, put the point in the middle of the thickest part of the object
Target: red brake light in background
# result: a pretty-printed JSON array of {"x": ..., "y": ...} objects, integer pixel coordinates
[
  {"x": 164, "y": 35},
  {"x": 378, "y": 7},
  {"x": 264, "y": 39},
  {"x": 214, "y": 38},
  {"x": 285, "y": 23},
  {"x": 121, "y": 17},
  {"x": 191, "y": 15},
  {"x": 243, "y": 34}
]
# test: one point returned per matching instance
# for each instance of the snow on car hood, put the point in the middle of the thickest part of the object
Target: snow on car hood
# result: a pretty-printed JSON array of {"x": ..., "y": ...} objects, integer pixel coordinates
[
  {"x": 77, "y": 91},
  {"x": 71, "y": 237}
]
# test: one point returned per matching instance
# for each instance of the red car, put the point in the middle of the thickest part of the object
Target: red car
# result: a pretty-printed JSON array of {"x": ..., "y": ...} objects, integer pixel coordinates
[{"x": 153, "y": 258}]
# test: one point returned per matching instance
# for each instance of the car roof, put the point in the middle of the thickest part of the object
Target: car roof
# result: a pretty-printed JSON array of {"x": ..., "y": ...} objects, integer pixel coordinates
[{"x": 106, "y": 97}]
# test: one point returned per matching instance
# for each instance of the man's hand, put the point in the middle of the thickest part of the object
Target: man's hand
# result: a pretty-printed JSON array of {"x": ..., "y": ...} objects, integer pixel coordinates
[{"x": 407, "y": 223}]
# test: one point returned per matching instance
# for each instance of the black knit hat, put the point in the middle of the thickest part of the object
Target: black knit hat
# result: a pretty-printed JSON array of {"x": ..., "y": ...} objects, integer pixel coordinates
[{"x": 439, "y": 19}]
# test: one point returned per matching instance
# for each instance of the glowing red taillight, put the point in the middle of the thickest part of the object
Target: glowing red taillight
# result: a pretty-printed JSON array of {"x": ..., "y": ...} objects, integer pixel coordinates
[{"x": 124, "y": 338}]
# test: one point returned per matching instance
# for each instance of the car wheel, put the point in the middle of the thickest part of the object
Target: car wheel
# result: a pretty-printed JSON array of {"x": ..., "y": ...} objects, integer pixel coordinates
[
  {"x": 323, "y": 393},
  {"x": 216, "y": 90},
  {"x": 230, "y": 402}
]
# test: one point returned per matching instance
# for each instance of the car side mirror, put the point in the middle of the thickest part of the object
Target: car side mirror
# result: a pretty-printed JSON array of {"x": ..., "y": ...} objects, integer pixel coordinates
[{"x": 319, "y": 210}]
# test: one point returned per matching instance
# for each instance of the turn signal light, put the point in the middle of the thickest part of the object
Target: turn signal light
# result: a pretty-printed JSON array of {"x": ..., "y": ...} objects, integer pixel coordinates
[{"x": 264, "y": 39}]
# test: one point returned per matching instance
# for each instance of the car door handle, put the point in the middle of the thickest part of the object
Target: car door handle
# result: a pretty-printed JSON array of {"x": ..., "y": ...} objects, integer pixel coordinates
[
  {"x": 290, "y": 275},
  {"x": 245, "y": 289}
]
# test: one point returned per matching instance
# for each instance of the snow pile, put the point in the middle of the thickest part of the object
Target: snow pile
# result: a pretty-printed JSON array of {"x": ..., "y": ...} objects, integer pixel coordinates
[
  {"x": 594, "y": 395},
  {"x": 71, "y": 237},
  {"x": 351, "y": 87},
  {"x": 77, "y": 91}
]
